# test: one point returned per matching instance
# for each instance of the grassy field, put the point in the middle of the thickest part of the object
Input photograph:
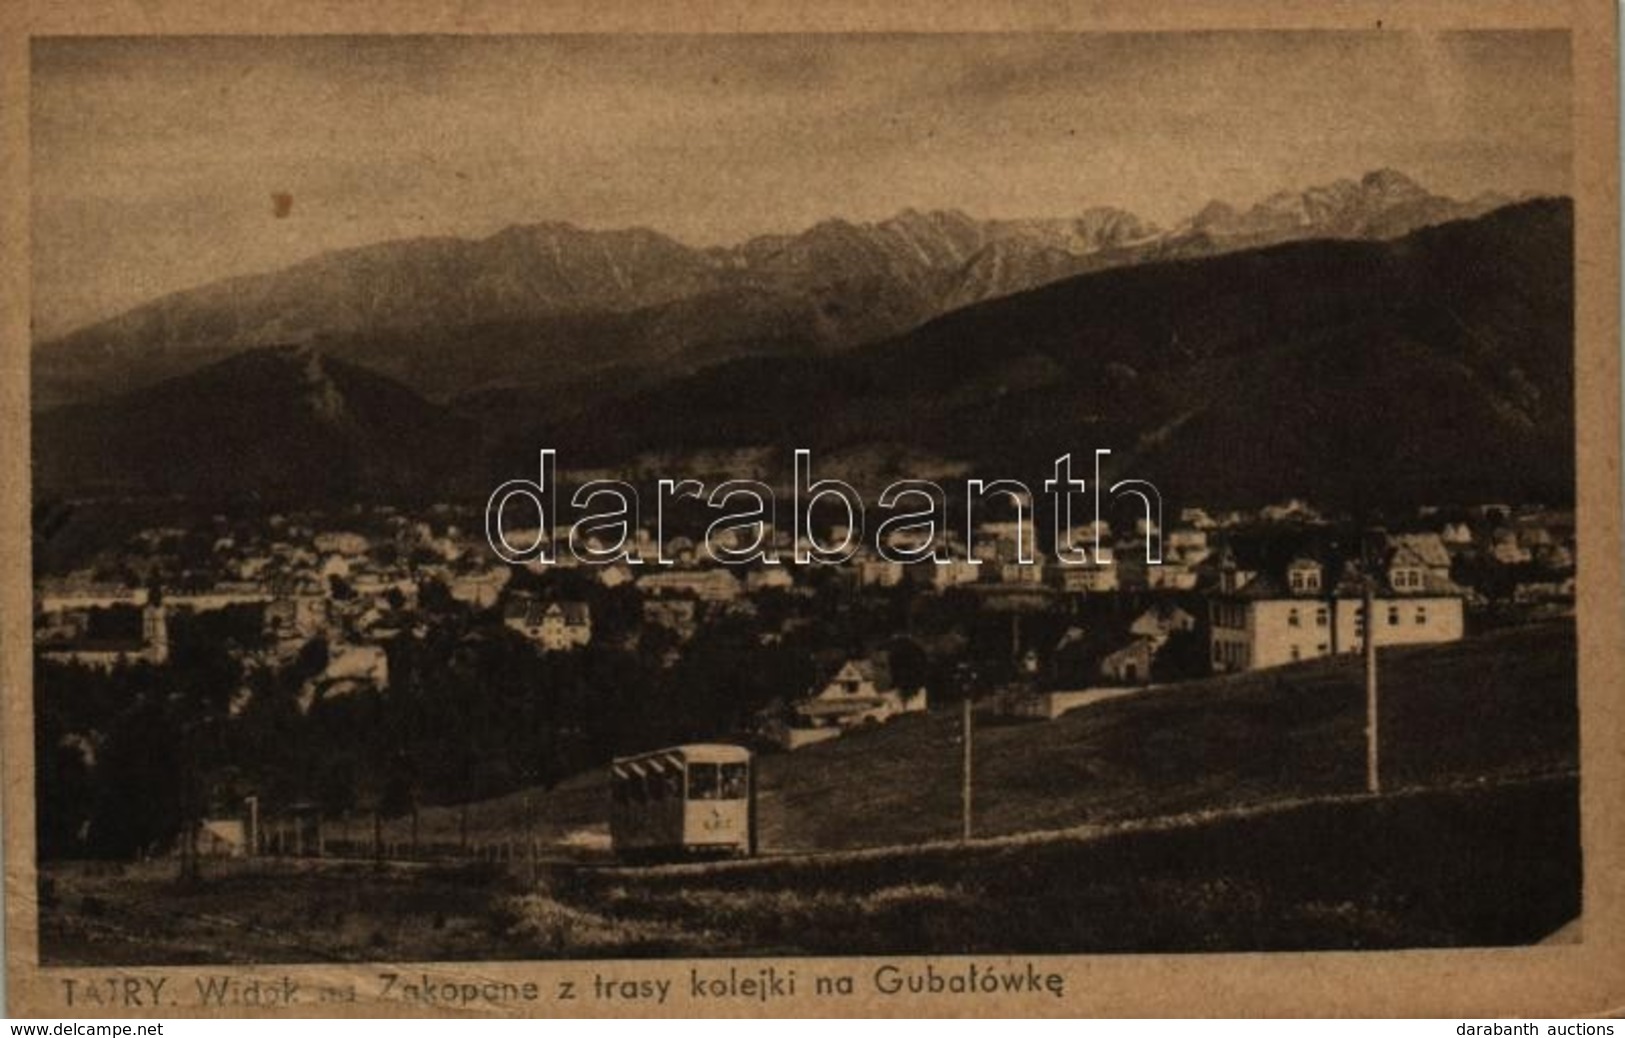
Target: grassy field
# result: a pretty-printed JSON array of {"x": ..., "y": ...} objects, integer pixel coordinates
[
  {"x": 266, "y": 911},
  {"x": 1220, "y": 815},
  {"x": 1500, "y": 704},
  {"x": 1471, "y": 865},
  {"x": 1476, "y": 864}
]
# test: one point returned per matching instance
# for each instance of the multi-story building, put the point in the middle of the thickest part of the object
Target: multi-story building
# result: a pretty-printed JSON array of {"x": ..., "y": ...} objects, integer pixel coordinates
[
  {"x": 553, "y": 626},
  {"x": 1266, "y": 616}
]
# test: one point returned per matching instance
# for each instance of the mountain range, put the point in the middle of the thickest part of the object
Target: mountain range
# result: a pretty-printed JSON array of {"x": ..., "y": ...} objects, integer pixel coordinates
[
  {"x": 1435, "y": 366},
  {"x": 565, "y": 314}
]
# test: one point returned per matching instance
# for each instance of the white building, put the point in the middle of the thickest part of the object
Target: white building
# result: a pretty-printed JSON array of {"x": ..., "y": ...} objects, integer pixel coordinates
[
  {"x": 878, "y": 572},
  {"x": 1170, "y": 576},
  {"x": 859, "y": 692},
  {"x": 707, "y": 585},
  {"x": 340, "y": 542},
  {"x": 769, "y": 578},
  {"x": 480, "y": 589},
  {"x": 952, "y": 573},
  {"x": 553, "y": 626},
  {"x": 1085, "y": 578},
  {"x": 1264, "y": 619}
]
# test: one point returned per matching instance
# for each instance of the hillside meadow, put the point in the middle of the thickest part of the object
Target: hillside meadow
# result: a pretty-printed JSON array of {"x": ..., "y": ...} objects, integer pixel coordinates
[
  {"x": 1222, "y": 815},
  {"x": 1500, "y": 704}
]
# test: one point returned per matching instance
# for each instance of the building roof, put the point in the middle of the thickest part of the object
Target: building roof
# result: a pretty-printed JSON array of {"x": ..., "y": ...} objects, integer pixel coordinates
[
  {"x": 1427, "y": 548},
  {"x": 575, "y": 614},
  {"x": 531, "y": 612},
  {"x": 1163, "y": 614},
  {"x": 1351, "y": 582},
  {"x": 1133, "y": 646},
  {"x": 875, "y": 669},
  {"x": 1342, "y": 573}
]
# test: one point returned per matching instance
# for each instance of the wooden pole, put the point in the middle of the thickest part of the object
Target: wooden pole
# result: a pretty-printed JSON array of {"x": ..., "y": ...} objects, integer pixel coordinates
[
  {"x": 965, "y": 791},
  {"x": 530, "y": 839},
  {"x": 253, "y": 803},
  {"x": 193, "y": 815},
  {"x": 189, "y": 850},
  {"x": 752, "y": 837},
  {"x": 1373, "y": 778}
]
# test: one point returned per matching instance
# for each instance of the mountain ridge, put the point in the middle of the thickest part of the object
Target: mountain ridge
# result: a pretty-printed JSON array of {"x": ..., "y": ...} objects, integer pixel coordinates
[
  {"x": 1437, "y": 367},
  {"x": 831, "y": 287},
  {"x": 275, "y": 421}
]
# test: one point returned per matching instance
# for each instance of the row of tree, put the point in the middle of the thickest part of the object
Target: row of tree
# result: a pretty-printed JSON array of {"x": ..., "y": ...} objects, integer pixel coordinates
[{"x": 130, "y": 758}]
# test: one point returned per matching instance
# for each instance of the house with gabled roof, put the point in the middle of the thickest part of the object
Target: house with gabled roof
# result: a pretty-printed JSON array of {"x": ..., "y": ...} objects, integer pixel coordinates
[
  {"x": 1506, "y": 549},
  {"x": 1424, "y": 549},
  {"x": 1160, "y": 621},
  {"x": 1456, "y": 533},
  {"x": 1131, "y": 664},
  {"x": 1268, "y": 612},
  {"x": 853, "y": 692},
  {"x": 553, "y": 626}
]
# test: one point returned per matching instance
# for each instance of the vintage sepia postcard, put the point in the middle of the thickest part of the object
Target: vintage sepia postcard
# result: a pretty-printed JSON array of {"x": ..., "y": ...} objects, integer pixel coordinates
[{"x": 729, "y": 509}]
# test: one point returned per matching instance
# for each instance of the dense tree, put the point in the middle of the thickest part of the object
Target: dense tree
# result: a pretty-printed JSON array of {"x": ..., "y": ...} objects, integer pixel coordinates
[{"x": 1184, "y": 656}]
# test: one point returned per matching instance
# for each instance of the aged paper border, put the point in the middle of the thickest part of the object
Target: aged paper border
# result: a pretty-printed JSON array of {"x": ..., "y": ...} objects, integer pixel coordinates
[{"x": 1580, "y": 979}]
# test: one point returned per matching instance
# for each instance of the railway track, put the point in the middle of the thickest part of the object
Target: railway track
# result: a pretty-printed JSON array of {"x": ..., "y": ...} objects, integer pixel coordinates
[{"x": 564, "y": 864}]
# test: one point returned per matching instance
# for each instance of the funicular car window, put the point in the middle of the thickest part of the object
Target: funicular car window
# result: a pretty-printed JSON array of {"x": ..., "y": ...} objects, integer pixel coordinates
[
  {"x": 619, "y": 789},
  {"x": 735, "y": 781},
  {"x": 638, "y": 791},
  {"x": 703, "y": 783}
]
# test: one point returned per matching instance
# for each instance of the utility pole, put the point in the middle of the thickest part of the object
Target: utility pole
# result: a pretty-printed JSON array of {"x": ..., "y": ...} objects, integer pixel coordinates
[
  {"x": 192, "y": 815},
  {"x": 253, "y": 805},
  {"x": 530, "y": 837},
  {"x": 189, "y": 869},
  {"x": 1373, "y": 778},
  {"x": 965, "y": 789}
]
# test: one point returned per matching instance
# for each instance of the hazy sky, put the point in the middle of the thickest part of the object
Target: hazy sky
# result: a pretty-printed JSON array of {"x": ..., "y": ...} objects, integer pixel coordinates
[{"x": 154, "y": 160}]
